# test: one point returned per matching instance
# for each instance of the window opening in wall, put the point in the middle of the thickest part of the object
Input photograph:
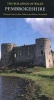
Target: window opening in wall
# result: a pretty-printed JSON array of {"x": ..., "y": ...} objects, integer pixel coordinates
[
  {"x": 51, "y": 51},
  {"x": 49, "y": 60},
  {"x": 41, "y": 51},
  {"x": 6, "y": 50},
  {"x": 15, "y": 55},
  {"x": 20, "y": 54},
  {"x": 5, "y": 58},
  {"x": 41, "y": 45},
  {"x": 28, "y": 53}
]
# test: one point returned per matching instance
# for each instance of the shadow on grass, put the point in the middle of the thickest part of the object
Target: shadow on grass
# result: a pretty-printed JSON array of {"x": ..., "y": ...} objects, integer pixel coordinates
[
  {"x": 47, "y": 76},
  {"x": 43, "y": 97}
]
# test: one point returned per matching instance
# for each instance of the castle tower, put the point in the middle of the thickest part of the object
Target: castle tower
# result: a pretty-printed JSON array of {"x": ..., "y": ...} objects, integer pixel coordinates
[
  {"x": 43, "y": 55},
  {"x": 7, "y": 54}
]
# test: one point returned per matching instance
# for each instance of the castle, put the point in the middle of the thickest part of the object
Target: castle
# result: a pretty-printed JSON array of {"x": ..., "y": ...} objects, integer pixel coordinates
[{"x": 39, "y": 54}]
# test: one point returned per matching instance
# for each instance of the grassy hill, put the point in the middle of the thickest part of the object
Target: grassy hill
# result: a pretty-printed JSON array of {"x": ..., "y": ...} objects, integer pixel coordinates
[{"x": 43, "y": 78}]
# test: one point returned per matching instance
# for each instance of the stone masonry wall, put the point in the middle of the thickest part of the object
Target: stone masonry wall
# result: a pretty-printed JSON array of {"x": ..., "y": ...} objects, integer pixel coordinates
[{"x": 38, "y": 54}]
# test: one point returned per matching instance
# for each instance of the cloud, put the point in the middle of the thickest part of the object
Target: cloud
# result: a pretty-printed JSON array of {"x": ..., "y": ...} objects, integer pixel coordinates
[{"x": 42, "y": 25}]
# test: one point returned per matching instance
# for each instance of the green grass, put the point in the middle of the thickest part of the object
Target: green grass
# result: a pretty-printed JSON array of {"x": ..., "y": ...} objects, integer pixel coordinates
[{"x": 42, "y": 77}]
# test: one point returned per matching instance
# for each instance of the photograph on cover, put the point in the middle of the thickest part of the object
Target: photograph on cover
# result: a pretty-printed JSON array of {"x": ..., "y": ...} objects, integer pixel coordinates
[{"x": 27, "y": 55}]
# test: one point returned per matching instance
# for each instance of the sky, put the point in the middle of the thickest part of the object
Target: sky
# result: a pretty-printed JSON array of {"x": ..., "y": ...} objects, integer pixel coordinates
[{"x": 22, "y": 31}]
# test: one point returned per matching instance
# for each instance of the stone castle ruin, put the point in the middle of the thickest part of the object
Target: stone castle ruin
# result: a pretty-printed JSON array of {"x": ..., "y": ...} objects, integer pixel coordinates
[{"x": 38, "y": 54}]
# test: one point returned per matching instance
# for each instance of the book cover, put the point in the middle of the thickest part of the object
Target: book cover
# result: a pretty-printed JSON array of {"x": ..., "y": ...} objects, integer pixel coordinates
[{"x": 26, "y": 50}]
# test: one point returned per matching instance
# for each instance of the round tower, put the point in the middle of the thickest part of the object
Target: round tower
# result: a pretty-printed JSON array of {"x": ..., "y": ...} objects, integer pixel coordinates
[
  {"x": 7, "y": 53},
  {"x": 43, "y": 55}
]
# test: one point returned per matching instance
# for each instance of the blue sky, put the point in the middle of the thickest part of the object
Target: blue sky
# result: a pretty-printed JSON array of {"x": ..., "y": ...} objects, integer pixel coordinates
[
  {"x": 16, "y": 30},
  {"x": 22, "y": 31}
]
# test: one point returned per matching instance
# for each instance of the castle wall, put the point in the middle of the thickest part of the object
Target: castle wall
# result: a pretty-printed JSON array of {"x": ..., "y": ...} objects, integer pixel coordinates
[
  {"x": 43, "y": 56},
  {"x": 48, "y": 54},
  {"x": 38, "y": 54},
  {"x": 6, "y": 53},
  {"x": 24, "y": 53}
]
